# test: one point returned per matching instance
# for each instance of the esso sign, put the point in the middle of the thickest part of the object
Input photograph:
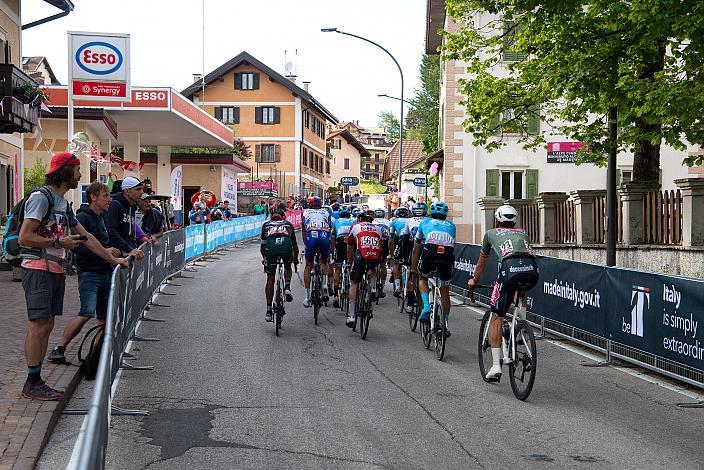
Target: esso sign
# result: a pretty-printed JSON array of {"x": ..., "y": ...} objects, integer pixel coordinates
[
  {"x": 150, "y": 95},
  {"x": 99, "y": 58}
]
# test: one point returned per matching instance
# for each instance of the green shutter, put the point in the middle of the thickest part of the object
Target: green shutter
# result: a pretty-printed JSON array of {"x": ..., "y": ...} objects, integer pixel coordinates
[
  {"x": 492, "y": 183},
  {"x": 618, "y": 177},
  {"x": 533, "y": 125},
  {"x": 531, "y": 184},
  {"x": 510, "y": 54}
]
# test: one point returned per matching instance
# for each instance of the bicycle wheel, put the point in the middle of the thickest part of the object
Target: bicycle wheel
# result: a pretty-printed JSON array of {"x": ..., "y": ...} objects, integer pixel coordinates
[
  {"x": 413, "y": 319},
  {"x": 277, "y": 308},
  {"x": 366, "y": 314},
  {"x": 315, "y": 294},
  {"x": 425, "y": 330},
  {"x": 522, "y": 368},
  {"x": 484, "y": 353},
  {"x": 440, "y": 332}
]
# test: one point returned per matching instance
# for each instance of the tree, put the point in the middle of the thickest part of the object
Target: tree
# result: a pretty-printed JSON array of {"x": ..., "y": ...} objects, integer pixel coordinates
[
  {"x": 34, "y": 176},
  {"x": 390, "y": 123},
  {"x": 422, "y": 120},
  {"x": 574, "y": 59}
]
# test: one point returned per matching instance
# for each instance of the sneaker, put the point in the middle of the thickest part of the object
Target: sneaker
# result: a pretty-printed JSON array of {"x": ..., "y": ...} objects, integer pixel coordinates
[
  {"x": 57, "y": 356},
  {"x": 41, "y": 391},
  {"x": 287, "y": 293},
  {"x": 336, "y": 302},
  {"x": 269, "y": 315},
  {"x": 350, "y": 322},
  {"x": 494, "y": 374},
  {"x": 306, "y": 302}
]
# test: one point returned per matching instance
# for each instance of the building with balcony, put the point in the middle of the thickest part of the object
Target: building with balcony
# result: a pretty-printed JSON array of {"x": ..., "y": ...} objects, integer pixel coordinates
[
  {"x": 38, "y": 68},
  {"x": 347, "y": 153},
  {"x": 375, "y": 140}
]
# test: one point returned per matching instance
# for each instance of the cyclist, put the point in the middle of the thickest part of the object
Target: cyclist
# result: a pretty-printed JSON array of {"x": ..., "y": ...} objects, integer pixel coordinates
[
  {"x": 278, "y": 241},
  {"x": 383, "y": 223},
  {"x": 335, "y": 208},
  {"x": 433, "y": 251},
  {"x": 396, "y": 245},
  {"x": 363, "y": 253},
  {"x": 419, "y": 211},
  {"x": 315, "y": 228},
  {"x": 516, "y": 265},
  {"x": 340, "y": 229}
]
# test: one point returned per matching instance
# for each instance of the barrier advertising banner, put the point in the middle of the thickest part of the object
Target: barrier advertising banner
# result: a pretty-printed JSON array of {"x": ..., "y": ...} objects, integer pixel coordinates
[{"x": 195, "y": 241}]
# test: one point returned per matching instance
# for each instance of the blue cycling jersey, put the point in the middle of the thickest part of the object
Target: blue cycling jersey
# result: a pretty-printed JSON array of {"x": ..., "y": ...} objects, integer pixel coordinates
[
  {"x": 397, "y": 226},
  {"x": 341, "y": 227},
  {"x": 335, "y": 215},
  {"x": 436, "y": 232}
]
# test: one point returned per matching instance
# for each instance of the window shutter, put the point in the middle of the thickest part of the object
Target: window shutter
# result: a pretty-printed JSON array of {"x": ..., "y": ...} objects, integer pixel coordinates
[
  {"x": 237, "y": 115},
  {"x": 327, "y": 167},
  {"x": 277, "y": 115},
  {"x": 531, "y": 184},
  {"x": 277, "y": 153},
  {"x": 510, "y": 53},
  {"x": 218, "y": 113},
  {"x": 258, "y": 115},
  {"x": 258, "y": 153},
  {"x": 492, "y": 183},
  {"x": 618, "y": 177},
  {"x": 533, "y": 125},
  {"x": 238, "y": 81},
  {"x": 256, "y": 81}
]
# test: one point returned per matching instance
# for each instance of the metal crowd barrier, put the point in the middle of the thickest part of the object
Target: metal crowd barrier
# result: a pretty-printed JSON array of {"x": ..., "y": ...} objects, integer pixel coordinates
[
  {"x": 648, "y": 319},
  {"x": 132, "y": 292}
]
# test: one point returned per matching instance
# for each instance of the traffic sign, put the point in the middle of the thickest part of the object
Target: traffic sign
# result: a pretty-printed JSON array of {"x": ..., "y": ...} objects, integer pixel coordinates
[
  {"x": 99, "y": 66},
  {"x": 349, "y": 181},
  {"x": 420, "y": 182}
]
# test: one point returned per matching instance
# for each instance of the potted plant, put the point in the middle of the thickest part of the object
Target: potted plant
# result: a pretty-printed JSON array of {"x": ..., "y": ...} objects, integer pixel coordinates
[{"x": 30, "y": 93}]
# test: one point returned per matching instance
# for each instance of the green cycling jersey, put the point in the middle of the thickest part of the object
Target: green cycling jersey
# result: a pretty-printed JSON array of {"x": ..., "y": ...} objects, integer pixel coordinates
[{"x": 507, "y": 242}]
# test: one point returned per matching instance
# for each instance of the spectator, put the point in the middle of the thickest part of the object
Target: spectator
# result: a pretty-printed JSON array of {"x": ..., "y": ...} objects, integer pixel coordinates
[
  {"x": 45, "y": 235},
  {"x": 394, "y": 201},
  {"x": 217, "y": 213},
  {"x": 120, "y": 217},
  {"x": 93, "y": 271},
  {"x": 170, "y": 213},
  {"x": 199, "y": 213},
  {"x": 226, "y": 212},
  {"x": 152, "y": 218},
  {"x": 258, "y": 209}
]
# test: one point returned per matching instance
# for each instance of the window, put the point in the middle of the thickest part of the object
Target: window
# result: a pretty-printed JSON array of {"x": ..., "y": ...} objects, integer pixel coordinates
[
  {"x": 268, "y": 153},
  {"x": 510, "y": 52},
  {"x": 376, "y": 157},
  {"x": 347, "y": 163},
  {"x": 267, "y": 115},
  {"x": 376, "y": 168},
  {"x": 307, "y": 119},
  {"x": 228, "y": 115},
  {"x": 313, "y": 119},
  {"x": 247, "y": 81},
  {"x": 367, "y": 167},
  {"x": 626, "y": 176},
  {"x": 512, "y": 185},
  {"x": 305, "y": 156},
  {"x": 327, "y": 167},
  {"x": 528, "y": 122}
]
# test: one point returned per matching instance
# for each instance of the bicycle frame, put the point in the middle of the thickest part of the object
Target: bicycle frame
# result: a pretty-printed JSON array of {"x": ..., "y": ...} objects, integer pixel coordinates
[{"x": 512, "y": 326}]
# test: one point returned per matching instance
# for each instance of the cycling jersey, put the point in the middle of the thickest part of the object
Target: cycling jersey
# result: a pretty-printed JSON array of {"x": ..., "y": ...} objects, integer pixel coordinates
[
  {"x": 507, "y": 242},
  {"x": 316, "y": 220},
  {"x": 367, "y": 238},
  {"x": 436, "y": 232},
  {"x": 317, "y": 226},
  {"x": 396, "y": 226},
  {"x": 411, "y": 226},
  {"x": 335, "y": 215},
  {"x": 341, "y": 227},
  {"x": 279, "y": 237},
  {"x": 384, "y": 225}
]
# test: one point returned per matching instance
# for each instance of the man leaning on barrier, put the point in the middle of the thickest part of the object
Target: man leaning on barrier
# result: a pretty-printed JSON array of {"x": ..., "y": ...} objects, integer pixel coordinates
[
  {"x": 120, "y": 219},
  {"x": 45, "y": 235},
  {"x": 152, "y": 218},
  {"x": 94, "y": 273}
]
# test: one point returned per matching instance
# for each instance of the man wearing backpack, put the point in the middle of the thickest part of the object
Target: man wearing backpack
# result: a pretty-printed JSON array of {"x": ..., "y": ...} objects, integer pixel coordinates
[{"x": 45, "y": 235}]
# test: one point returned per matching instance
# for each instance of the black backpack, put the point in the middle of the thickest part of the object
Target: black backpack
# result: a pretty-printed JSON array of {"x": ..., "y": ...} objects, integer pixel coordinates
[
  {"x": 89, "y": 363},
  {"x": 11, "y": 249}
]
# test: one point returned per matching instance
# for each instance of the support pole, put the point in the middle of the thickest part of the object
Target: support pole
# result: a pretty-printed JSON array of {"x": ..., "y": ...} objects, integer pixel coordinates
[{"x": 611, "y": 224}]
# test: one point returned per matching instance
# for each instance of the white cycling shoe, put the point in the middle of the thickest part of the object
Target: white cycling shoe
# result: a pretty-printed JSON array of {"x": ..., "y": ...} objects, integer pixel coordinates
[
  {"x": 350, "y": 321},
  {"x": 306, "y": 302},
  {"x": 494, "y": 374}
]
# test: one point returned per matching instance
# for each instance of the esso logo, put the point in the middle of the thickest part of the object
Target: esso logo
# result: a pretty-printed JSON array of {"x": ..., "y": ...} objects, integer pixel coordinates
[
  {"x": 99, "y": 58},
  {"x": 149, "y": 95}
]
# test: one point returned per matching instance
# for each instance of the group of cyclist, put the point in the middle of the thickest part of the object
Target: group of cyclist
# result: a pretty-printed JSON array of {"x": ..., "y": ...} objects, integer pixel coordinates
[{"x": 420, "y": 238}]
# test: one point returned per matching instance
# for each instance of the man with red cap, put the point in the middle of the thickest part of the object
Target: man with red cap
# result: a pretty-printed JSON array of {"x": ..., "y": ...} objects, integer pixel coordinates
[{"x": 49, "y": 228}]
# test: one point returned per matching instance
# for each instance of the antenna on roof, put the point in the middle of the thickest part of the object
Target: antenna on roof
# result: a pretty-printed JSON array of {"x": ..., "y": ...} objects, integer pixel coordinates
[{"x": 290, "y": 67}]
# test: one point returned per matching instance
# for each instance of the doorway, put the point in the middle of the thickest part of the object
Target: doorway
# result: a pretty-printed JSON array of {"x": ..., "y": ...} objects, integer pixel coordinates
[{"x": 188, "y": 192}]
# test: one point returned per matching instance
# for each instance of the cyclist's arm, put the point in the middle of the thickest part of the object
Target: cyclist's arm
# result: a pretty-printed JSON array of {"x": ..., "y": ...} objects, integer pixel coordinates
[
  {"x": 294, "y": 244},
  {"x": 415, "y": 256},
  {"x": 481, "y": 263},
  {"x": 262, "y": 246}
]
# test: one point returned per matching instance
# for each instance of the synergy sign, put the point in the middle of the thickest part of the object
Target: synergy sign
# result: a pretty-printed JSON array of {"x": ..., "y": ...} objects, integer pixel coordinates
[{"x": 99, "y": 66}]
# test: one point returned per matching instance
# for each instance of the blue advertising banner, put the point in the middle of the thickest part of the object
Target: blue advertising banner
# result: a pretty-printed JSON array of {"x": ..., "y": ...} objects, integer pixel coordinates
[{"x": 194, "y": 241}]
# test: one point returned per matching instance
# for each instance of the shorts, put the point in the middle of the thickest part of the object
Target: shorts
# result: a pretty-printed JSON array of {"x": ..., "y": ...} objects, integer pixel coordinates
[
  {"x": 317, "y": 242},
  {"x": 44, "y": 293},
  {"x": 520, "y": 272},
  {"x": 340, "y": 250},
  {"x": 432, "y": 261},
  {"x": 360, "y": 266},
  {"x": 384, "y": 249},
  {"x": 405, "y": 250},
  {"x": 272, "y": 260},
  {"x": 94, "y": 291}
]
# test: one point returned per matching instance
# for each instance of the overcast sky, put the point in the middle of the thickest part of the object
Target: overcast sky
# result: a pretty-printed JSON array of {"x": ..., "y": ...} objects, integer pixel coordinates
[{"x": 346, "y": 74}]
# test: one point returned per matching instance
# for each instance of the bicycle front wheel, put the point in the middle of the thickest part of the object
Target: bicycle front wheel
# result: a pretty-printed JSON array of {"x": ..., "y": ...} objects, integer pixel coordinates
[
  {"x": 522, "y": 368},
  {"x": 484, "y": 353},
  {"x": 440, "y": 334}
]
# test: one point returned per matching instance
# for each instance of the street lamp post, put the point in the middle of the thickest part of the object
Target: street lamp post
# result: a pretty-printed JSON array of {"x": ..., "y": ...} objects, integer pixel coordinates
[{"x": 400, "y": 136}]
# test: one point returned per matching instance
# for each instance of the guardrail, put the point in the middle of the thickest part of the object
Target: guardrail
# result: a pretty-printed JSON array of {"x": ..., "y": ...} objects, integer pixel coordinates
[
  {"x": 648, "y": 319},
  {"x": 131, "y": 292}
]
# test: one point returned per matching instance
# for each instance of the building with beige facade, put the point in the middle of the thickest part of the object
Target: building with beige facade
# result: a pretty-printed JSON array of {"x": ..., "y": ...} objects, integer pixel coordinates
[
  {"x": 347, "y": 153},
  {"x": 284, "y": 125},
  {"x": 375, "y": 140}
]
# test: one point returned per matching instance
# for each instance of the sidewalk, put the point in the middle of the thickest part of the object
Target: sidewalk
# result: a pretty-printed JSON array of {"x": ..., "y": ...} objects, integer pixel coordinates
[{"x": 25, "y": 425}]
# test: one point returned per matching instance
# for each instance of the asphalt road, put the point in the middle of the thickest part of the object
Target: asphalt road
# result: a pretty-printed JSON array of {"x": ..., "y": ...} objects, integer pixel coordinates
[{"x": 227, "y": 393}]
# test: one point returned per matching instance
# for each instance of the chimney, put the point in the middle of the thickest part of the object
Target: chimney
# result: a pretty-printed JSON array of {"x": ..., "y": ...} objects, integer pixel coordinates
[
  {"x": 197, "y": 77},
  {"x": 305, "y": 85}
]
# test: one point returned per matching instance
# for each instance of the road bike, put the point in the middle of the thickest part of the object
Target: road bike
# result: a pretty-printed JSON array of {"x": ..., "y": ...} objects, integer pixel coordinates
[
  {"x": 316, "y": 294},
  {"x": 517, "y": 345},
  {"x": 344, "y": 286},
  {"x": 403, "y": 299},
  {"x": 435, "y": 331},
  {"x": 379, "y": 283},
  {"x": 279, "y": 309},
  {"x": 364, "y": 308}
]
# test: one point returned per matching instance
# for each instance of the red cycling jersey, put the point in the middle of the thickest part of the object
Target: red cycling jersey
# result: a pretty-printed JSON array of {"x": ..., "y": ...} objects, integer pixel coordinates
[{"x": 367, "y": 238}]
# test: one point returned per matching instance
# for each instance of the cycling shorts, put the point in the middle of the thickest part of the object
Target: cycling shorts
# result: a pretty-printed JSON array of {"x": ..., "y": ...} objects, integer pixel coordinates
[
  {"x": 360, "y": 266},
  {"x": 436, "y": 259},
  {"x": 271, "y": 261},
  {"x": 317, "y": 242},
  {"x": 514, "y": 273},
  {"x": 340, "y": 250},
  {"x": 384, "y": 249}
]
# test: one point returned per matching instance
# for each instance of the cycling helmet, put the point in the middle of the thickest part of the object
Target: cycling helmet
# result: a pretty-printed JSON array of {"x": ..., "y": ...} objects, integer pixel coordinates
[
  {"x": 419, "y": 209},
  {"x": 365, "y": 216},
  {"x": 365, "y": 206},
  {"x": 344, "y": 211},
  {"x": 356, "y": 211},
  {"x": 506, "y": 213},
  {"x": 278, "y": 214},
  {"x": 402, "y": 212},
  {"x": 335, "y": 206},
  {"x": 379, "y": 213},
  {"x": 314, "y": 202},
  {"x": 439, "y": 209}
]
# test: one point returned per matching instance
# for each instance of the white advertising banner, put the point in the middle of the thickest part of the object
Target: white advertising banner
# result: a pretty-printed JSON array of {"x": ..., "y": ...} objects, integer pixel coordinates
[
  {"x": 177, "y": 188},
  {"x": 99, "y": 66},
  {"x": 229, "y": 186}
]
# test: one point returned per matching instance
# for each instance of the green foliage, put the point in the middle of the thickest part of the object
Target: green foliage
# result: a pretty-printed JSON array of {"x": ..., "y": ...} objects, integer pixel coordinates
[
  {"x": 644, "y": 57},
  {"x": 372, "y": 187},
  {"x": 390, "y": 122},
  {"x": 34, "y": 176},
  {"x": 423, "y": 118}
]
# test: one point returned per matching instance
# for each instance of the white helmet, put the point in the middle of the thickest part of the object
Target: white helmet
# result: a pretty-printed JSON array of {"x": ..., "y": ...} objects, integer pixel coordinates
[{"x": 506, "y": 213}]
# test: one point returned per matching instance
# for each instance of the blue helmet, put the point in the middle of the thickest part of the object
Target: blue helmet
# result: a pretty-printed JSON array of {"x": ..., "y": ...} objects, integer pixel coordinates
[
  {"x": 402, "y": 212},
  {"x": 344, "y": 211},
  {"x": 419, "y": 209},
  {"x": 356, "y": 211},
  {"x": 379, "y": 213},
  {"x": 439, "y": 209}
]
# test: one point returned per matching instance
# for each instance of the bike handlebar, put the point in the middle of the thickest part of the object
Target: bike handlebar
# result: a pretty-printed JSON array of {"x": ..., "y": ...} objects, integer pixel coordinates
[{"x": 471, "y": 291}]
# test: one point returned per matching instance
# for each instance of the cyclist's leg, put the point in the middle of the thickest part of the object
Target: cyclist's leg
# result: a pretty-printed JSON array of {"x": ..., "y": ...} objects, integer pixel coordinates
[
  {"x": 270, "y": 270},
  {"x": 445, "y": 264},
  {"x": 324, "y": 247},
  {"x": 356, "y": 272},
  {"x": 288, "y": 274},
  {"x": 500, "y": 301},
  {"x": 310, "y": 257},
  {"x": 426, "y": 266}
]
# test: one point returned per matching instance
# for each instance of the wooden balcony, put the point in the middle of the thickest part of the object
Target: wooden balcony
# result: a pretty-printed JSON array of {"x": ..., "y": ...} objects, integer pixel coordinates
[{"x": 16, "y": 114}]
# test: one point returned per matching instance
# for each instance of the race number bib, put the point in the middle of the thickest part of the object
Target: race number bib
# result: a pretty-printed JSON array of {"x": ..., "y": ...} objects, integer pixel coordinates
[
  {"x": 369, "y": 242},
  {"x": 506, "y": 248}
]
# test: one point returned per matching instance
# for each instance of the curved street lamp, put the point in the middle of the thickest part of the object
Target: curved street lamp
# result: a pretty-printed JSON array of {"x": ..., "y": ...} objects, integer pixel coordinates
[{"x": 400, "y": 136}]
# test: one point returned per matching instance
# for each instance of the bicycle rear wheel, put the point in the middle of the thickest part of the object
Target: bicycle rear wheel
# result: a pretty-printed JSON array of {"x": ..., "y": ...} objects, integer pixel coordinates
[
  {"x": 316, "y": 296},
  {"x": 440, "y": 332},
  {"x": 484, "y": 352},
  {"x": 413, "y": 319},
  {"x": 522, "y": 368},
  {"x": 425, "y": 332},
  {"x": 364, "y": 320}
]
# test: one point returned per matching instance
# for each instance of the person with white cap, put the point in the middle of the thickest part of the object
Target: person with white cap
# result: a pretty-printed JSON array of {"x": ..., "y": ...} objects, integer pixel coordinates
[{"x": 120, "y": 217}]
